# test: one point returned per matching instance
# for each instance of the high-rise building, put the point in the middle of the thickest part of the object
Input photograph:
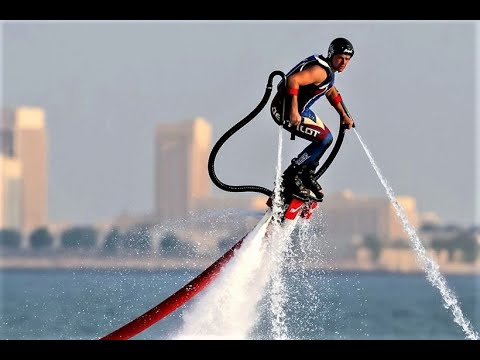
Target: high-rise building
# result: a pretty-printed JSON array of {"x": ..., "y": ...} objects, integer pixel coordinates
[
  {"x": 10, "y": 193},
  {"x": 30, "y": 148},
  {"x": 181, "y": 173},
  {"x": 6, "y": 132},
  {"x": 6, "y": 142}
]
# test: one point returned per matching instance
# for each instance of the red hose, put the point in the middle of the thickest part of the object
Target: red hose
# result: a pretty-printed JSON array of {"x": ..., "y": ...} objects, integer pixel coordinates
[{"x": 176, "y": 300}]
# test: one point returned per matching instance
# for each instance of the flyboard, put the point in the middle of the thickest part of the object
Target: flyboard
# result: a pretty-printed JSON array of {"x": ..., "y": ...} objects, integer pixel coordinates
[{"x": 292, "y": 207}]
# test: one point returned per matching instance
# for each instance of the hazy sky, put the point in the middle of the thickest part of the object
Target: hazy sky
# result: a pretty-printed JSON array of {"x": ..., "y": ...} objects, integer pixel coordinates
[
  {"x": 106, "y": 85},
  {"x": 477, "y": 123}
]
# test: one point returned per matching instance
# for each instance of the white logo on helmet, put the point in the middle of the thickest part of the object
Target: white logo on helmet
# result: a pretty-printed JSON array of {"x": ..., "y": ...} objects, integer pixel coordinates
[{"x": 331, "y": 51}]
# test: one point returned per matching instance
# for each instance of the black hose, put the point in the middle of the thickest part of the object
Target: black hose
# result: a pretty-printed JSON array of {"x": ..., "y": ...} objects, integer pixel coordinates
[
  {"x": 336, "y": 147},
  {"x": 233, "y": 130},
  {"x": 333, "y": 153}
]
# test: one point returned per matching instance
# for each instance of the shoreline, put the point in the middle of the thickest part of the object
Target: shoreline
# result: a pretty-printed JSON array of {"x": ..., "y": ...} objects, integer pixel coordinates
[{"x": 154, "y": 263}]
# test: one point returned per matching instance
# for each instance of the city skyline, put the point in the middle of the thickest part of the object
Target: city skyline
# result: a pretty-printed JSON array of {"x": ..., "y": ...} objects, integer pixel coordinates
[
  {"x": 182, "y": 185},
  {"x": 103, "y": 147}
]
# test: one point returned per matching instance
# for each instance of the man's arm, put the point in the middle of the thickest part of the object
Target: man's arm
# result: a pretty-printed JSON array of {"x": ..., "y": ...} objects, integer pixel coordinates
[
  {"x": 335, "y": 99},
  {"x": 313, "y": 75}
]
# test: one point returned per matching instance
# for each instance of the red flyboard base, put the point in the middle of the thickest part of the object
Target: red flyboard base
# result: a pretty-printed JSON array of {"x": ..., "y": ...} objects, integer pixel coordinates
[
  {"x": 307, "y": 211},
  {"x": 295, "y": 207}
]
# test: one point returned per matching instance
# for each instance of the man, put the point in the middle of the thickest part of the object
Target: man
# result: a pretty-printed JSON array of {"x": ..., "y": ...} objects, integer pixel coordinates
[{"x": 307, "y": 82}]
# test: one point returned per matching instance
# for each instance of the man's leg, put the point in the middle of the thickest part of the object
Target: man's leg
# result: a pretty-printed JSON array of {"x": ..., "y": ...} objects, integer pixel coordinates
[{"x": 305, "y": 164}]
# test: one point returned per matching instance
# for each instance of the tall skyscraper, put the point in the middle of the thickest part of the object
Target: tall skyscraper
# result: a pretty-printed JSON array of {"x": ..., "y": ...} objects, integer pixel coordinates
[
  {"x": 30, "y": 148},
  {"x": 10, "y": 193},
  {"x": 181, "y": 174}
]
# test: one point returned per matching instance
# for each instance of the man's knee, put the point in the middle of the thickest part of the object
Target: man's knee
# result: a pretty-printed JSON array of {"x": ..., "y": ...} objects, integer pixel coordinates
[
  {"x": 328, "y": 139},
  {"x": 324, "y": 141}
]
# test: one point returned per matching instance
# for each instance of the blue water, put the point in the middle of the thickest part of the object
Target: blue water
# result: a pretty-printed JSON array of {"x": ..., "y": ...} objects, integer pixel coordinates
[{"x": 87, "y": 304}]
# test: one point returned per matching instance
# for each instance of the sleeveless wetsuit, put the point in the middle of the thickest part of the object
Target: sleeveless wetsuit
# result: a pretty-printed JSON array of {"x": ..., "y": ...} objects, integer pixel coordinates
[{"x": 311, "y": 128}]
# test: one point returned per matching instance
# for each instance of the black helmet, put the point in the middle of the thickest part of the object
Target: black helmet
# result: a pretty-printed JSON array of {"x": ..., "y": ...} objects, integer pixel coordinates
[{"x": 340, "y": 46}]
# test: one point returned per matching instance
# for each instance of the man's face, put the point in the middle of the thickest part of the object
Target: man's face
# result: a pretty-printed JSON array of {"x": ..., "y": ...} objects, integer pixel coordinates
[{"x": 340, "y": 61}]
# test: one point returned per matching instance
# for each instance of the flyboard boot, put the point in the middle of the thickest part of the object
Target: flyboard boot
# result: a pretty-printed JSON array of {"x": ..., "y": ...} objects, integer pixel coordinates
[
  {"x": 293, "y": 193},
  {"x": 293, "y": 184},
  {"x": 309, "y": 181}
]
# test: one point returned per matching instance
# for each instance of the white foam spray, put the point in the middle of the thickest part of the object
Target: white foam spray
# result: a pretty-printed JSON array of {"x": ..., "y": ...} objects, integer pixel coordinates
[
  {"x": 277, "y": 239},
  {"x": 429, "y": 265},
  {"x": 227, "y": 309},
  {"x": 278, "y": 244},
  {"x": 312, "y": 311}
]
